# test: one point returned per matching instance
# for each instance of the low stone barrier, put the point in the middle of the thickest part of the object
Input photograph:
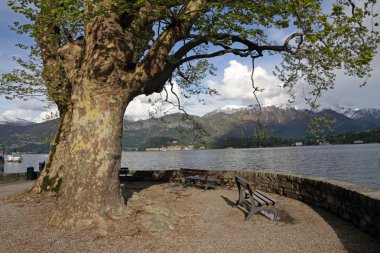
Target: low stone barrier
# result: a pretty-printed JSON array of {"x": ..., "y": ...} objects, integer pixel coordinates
[
  {"x": 353, "y": 203},
  {"x": 12, "y": 176}
]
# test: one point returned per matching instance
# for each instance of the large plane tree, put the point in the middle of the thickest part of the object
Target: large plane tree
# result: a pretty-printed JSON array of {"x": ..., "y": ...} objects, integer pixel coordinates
[{"x": 93, "y": 57}]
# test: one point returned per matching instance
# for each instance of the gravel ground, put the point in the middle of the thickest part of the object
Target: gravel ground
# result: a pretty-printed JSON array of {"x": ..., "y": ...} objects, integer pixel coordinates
[{"x": 168, "y": 218}]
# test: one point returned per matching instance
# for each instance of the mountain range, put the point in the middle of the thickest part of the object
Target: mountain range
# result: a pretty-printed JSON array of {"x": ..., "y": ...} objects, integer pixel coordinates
[
  {"x": 228, "y": 123},
  {"x": 239, "y": 123}
]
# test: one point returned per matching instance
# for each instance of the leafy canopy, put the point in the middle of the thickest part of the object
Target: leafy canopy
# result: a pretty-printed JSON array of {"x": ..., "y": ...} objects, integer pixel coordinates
[{"x": 339, "y": 34}]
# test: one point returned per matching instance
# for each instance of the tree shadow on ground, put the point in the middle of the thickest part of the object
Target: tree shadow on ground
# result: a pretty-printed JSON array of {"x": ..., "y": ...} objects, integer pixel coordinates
[
  {"x": 137, "y": 181},
  {"x": 283, "y": 215},
  {"x": 353, "y": 239},
  {"x": 129, "y": 188}
]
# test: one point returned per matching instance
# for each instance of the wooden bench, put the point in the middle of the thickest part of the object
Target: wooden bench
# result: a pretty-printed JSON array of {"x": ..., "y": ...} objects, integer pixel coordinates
[
  {"x": 198, "y": 178},
  {"x": 254, "y": 200}
]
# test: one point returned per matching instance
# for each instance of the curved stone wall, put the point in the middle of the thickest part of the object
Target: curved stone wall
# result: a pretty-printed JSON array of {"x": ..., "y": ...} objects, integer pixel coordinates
[
  {"x": 353, "y": 203},
  {"x": 12, "y": 176}
]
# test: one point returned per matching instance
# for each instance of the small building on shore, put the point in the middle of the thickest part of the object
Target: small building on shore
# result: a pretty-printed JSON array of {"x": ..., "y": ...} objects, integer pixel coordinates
[{"x": 172, "y": 148}]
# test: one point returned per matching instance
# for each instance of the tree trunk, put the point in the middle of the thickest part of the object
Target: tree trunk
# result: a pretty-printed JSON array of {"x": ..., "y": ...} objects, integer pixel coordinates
[{"x": 83, "y": 164}]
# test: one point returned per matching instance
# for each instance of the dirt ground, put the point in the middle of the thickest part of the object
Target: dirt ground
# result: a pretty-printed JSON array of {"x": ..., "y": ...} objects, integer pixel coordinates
[{"x": 169, "y": 218}]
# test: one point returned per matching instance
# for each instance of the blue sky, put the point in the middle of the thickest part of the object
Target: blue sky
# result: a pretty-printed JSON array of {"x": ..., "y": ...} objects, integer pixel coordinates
[{"x": 232, "y": 81}]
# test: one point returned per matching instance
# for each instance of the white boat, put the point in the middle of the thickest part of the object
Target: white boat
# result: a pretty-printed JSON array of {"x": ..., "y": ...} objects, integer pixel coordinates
[{"x": 14, "y": 157}]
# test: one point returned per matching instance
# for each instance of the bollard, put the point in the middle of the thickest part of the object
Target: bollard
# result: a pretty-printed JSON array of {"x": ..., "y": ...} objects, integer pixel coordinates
[
  {"x": 41, "y": 165},
  {"x": 30, "y": 173},
  {"x": 123, "y": 174},
  {"x": 1, "y": 164}
]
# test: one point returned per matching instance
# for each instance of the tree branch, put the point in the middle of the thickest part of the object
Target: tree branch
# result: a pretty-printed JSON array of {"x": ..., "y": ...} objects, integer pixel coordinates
[
  {"x": 155, "y": 62},
  {"x": 251, "y": 46},
  {"x": 239, "y": 52},
  {"x": 71, "y": 57},
  {"x": 48, "y": 36},
  {"x": 178, "y": 58}
]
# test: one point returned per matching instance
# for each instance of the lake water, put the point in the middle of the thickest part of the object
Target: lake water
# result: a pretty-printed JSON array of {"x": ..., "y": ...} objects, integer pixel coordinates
[{"x": 357, "y": 164}]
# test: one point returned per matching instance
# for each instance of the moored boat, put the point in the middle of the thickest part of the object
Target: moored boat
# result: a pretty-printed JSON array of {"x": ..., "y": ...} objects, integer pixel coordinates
[{"x": 14, "y": 157}]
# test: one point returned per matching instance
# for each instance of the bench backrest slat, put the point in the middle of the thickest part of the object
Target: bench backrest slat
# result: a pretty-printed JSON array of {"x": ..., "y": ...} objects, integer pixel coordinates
[{"x": 242, "y": 182}]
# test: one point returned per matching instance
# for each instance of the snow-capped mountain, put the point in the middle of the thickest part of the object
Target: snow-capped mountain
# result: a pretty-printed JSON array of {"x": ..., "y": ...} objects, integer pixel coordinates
[
  {"x": 289, "y": 121},
  {"x": 230, "y": 109},
  {"x": 348, "y": 112},
  {"x": 369, "y": 114},
  {"x": 4, "y": 120},
  {"x": 366, "y": 114}
]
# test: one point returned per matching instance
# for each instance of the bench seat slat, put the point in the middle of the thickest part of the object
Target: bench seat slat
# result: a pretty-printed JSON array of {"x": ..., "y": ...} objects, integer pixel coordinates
[
  {"x": 196, "y": 177},
  {"x": 266, "y": 196},
  {"x": 194, "y": 171},
  {"x": 259, "y": 200},
  {"x": 202, "y": 178},
  {"x": 264, "y": 201}
]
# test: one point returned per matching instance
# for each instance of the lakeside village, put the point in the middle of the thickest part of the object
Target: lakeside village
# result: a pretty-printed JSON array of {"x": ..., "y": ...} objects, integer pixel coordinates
[
  {"x": 175, "y": 147},
  {"x": 39, "y": 148}
]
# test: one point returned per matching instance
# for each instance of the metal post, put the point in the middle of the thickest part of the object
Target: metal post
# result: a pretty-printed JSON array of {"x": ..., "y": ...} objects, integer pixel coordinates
[{"x": 2, "y": 160}]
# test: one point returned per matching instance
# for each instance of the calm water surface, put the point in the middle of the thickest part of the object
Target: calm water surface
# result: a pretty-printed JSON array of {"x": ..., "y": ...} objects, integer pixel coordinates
[{"x": 357, "y": 164}]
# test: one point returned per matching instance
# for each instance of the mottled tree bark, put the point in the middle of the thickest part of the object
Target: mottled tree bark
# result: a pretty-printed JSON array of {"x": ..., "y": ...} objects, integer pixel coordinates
[{"x": 83, "y": 166}]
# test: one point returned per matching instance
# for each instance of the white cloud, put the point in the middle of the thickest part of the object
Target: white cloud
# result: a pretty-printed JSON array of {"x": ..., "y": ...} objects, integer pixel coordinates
[
  {"x": 49, "y": 114},
  {"x": 18, "y": 113},
  {"x": 142, "y": 107},
  {"x": 137, "y": 109},
  {"x": 31, "y": 110},
  {"x": 33, "y": 105},
  {"x": 31, "y": 114},
  {"x": 237, "y": 85}
]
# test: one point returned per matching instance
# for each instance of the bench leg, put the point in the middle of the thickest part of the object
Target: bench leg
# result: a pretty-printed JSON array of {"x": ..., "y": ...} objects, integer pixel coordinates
[
  {"x": 255, "y": 209},
  {"x": 187, "y": 182},
  {"x": 190, "y": 181},
  {"x": 209, "y": 184},
  {"x": 241, "y": 198}
]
